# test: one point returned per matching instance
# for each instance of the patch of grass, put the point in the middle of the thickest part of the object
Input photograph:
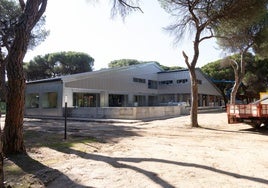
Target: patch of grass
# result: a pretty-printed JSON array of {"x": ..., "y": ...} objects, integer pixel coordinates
[
  {"x": 55, "y": 141},
  {"x": 22, "y": 172},
  {"x": 13, "y": 170},
  {"x": 13, "y": 175}
]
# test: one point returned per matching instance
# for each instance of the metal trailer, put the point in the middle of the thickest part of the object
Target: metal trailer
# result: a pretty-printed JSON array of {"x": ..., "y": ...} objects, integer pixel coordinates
[{"x": 254, "y": 114}]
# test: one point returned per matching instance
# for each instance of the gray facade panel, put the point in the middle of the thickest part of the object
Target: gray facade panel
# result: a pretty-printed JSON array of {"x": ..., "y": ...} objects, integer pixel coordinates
[
  {"x": 41, "y": 90},
  {"x": 140, "y": 85}
]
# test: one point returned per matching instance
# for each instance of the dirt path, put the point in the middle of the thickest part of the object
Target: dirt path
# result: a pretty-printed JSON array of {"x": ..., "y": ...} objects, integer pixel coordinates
[{"x": 161, "y": 153}]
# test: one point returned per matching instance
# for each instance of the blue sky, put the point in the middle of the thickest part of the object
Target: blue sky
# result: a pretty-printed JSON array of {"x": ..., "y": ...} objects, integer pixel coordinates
[{"x": 85, "y": 26}]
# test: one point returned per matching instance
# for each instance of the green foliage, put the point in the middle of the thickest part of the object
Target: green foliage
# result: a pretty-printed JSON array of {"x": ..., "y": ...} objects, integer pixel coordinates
[
  {"x": 254, "y": 82},
  {"x": 218, "y": 71},
  {"x": 166, "y": 68},
  {"x": 261, "y": 39},
  {"x": 237, "y": 31},
  {"x": 123, "y": 63},
  {"x": 256, "y": 79},
  {"x": 222, "y": 75},
  {"x": 58, "y": 64},
  {"x": 9, "y": 14}
]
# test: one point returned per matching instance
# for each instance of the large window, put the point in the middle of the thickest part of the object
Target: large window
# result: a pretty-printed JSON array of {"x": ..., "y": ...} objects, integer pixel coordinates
[
  {"x": 50, "y": 100},
  {"x": 166, "y": 82},
  {"x": 182, "y": 81},
  {"x": 152, "y": 84},
  {"x": 117, "y": 100},
  {"x": 139, "y": 80},
  {"x": 86, "y": 99},
  {"x": 32, "y": 100},
  {"x": 140, "y": 100}
]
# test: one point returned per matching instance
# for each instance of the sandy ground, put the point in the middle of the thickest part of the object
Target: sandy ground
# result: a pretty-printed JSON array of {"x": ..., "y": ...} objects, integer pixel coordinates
[{"x": 154, "y": 154}]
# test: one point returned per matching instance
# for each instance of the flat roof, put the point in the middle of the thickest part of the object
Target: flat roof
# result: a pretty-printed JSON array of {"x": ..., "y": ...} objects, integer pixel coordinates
[{"x": 45, "y": 80}]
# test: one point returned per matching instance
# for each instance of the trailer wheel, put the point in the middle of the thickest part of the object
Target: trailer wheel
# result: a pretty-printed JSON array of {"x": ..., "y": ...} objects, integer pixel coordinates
[{"x": 256, "y": 124}]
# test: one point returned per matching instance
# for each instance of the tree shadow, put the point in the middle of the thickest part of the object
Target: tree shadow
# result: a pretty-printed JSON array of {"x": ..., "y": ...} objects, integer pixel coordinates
[
  {"x": 103, "y": 132},
  {"x": 251, "y": 130},
  {"x": 40, "y": 174},
  {"x": 108, "y": 133},
  {"x": 263, "y": 130},
  {"x": 45, "y": 133},
  {"x": 116, "y": 162}
]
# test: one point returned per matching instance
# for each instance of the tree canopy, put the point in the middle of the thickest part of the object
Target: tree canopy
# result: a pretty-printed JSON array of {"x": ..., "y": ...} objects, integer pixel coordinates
[
  {"x": 254, "y": 81},
  {"x": 123, "y": 63},
  {"x": 222, "y": 76},
  {"x": 9, "y": 15},
  {"x": 58, "y": 64},
  {"x": 239, "y": 34}
]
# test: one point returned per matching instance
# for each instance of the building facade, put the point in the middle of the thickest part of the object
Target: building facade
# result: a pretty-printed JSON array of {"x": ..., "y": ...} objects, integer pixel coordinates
[{"x": 133, "y": 86}]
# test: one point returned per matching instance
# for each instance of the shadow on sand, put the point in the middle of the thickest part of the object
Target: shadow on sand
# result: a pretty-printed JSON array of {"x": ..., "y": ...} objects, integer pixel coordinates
[
  {"x": 116, "y": 162},
  {"x": 49, "y": 175},
  {"x": 40, "y": 174}
]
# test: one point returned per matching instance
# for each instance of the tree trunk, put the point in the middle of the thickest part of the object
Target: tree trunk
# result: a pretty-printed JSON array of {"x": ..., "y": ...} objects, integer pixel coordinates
[
  {"x": 2, "y": 79},
  {"x": 32, "y": 10},
  {"x": 194, "y": 98},
  {"x": 234, "y": 90},
  {"x": 2, "y": 98},
  {"x": 194, "y": 87},
  {"x": 239, "y": 71},
  {"x": 2, "y": 177},
  {"x": 13, "y": 130}
]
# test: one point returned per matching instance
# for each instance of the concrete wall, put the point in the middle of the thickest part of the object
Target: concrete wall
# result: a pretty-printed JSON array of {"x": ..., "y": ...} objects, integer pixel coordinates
[
  {"x": 41, "y": 88},
  {"x": 128, "y": 112}
]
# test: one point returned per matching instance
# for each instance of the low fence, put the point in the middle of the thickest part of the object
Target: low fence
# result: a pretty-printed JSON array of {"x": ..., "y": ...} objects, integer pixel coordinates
[{"x": 128, "y": 112}]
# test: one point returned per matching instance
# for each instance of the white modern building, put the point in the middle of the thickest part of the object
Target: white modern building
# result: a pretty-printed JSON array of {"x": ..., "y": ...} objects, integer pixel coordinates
[{"x": 93, "y": 94}]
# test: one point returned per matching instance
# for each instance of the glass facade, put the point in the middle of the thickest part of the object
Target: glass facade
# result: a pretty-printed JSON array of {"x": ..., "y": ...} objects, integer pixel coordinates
[
  {"x": 32, "y": 100},
  {"x": 86, "y": 99},
  {"x": 152, "y": 84},
  {"x": 140, "y": 100},
  {"x": 50, "y": 100},
  {"x": 117, "y": 100}
]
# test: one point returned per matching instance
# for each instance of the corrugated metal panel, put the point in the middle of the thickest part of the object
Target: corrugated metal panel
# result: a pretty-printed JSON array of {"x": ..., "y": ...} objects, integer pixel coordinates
[
  {"x": 119, "y": 79},
  {"x": 206, "y": 87},
  {"x": 175, "y": 87}
]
